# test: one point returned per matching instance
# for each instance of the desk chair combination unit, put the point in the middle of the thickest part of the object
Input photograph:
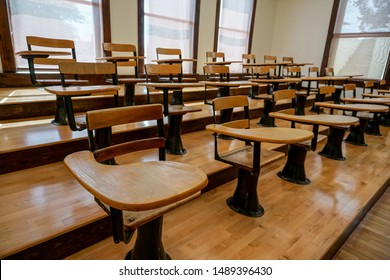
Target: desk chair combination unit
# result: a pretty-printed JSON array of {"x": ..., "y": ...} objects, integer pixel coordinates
[
  {"x": 161, "y": 77},
  {"x": 249, "y": 157},
  {"x": 49, "y": 53},
  {"x": 174, "y": 56},
  {"x": 134, "y": 194},
  {"x": 124, "y": 56},
  {"x": 67, "y": 93}
]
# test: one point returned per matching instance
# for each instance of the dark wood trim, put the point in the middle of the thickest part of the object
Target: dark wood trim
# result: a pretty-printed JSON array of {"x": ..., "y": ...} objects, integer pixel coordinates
[
  {"x": 216, "y": 26},
  {"x": 141, "y": 46},
  {"x": 325, "y": 57},
  {"x": 252, "y": 27},
  {"x": 196, "y": 36},
  {"x": 106, "y": 19},
  {"x": 6, "y": 49}
]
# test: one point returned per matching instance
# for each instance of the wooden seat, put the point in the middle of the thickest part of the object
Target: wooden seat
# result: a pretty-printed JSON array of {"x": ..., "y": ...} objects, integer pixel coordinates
[
  {"x": 134, "y": 194},
  {"x": 96, "y": 87},
  {"x": 260, "y": 72},
  {"x": 215, "y": 72},
  {"x": 246, "y": 155}
]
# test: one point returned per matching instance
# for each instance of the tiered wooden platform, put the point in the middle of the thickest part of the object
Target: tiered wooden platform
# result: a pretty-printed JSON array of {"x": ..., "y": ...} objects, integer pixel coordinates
[{"x": 45, "y": 214}]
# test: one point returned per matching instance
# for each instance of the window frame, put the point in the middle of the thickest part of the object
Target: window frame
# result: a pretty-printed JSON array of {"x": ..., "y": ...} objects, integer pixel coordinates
[
  {"x": 331, "y": 34},
  {"x": 216, "y": 28},
  {"x": 141, "y": 45},
  {"x": 7, "y": 52}
]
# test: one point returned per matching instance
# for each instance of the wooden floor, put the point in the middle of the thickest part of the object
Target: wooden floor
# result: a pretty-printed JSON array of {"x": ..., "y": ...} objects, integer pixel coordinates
[{"x": 300, "y": 222}]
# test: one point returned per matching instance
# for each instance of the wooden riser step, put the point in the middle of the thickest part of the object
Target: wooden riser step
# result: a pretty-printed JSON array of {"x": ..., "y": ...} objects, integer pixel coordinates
[{"x": 46, "y": 214}]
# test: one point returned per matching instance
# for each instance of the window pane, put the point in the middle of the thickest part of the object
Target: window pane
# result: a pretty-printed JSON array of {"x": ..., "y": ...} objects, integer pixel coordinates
[
  {"x": 77, "y": 20},
  {"x": 234, "y": 29},
  {"x": 169, "y": 24},
  {"x": 363, "y": 16},
  {"x": 366, "y": 56}
]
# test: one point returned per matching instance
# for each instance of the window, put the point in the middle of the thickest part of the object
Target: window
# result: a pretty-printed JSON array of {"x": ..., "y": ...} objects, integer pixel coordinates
[
  {"x": 77, "y": 20},
  {"x": 169, "y": 24},
  {"x": 361, "y": 38},
  {"x": 235, "y": 28}
]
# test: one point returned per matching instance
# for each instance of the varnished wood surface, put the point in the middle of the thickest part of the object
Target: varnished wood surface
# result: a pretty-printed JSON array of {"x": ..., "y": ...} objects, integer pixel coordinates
[
  {"x": 382, "y": 100},
  {"x": 39, "y": 203},
  {"x": 227, "y": 83},
  {"x": 136, "y": 186},
  {"x": 330, "y": 120},
  {"x": 299, "y": 223},
  {"x": 371, "y": 239},
  {"x": 82, "y": 90},
  {"x": 373, "y": 108},
  {"x": 281, "y": 135}
]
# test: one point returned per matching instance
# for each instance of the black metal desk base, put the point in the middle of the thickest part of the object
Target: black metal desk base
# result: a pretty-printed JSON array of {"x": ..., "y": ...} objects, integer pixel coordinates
[
  {"x": 173, "y": 142},
  {"x": 373, "y": 127},
  {"x": 245, "y": 200},
  {"x": 294, "y": 169},
  {"x": 148, "y": 245},
  {"x": 60, "y": 117},
  {"x": 333, "y": 146},
  {"x": 356, "y": 136},
  {"x": 265, "y": 119}
]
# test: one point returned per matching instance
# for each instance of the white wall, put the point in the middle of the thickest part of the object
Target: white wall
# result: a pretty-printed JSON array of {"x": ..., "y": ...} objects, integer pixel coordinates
[{"x": 301, "y": 28}]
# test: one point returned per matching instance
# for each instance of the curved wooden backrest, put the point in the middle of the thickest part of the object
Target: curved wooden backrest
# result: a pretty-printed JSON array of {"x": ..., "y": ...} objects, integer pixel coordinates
[
  {"x": 283, "y": 94},
  {"x": 86, "y": 68},
  {"x": 231, "y": 102},
  {"x": 329, "y": 71},
  {"x": 294, "y": 71},
  {"x": 326, "y": 89},
  {"x": 349, "y": 86},
  {"x": 313, "y": 69},
  {"x": 269, "y": 58},
  {"x": 162, "y": 69},
  {"x": 103, "y": 121},
  {"x": 261, "y": 70},
  {"x": 114, "y": 49},
  {"x": 288, "y": 59},
  {"x": 168, "y": 51},
  {"x": 37, "y": 43},
  {"x": 215, "y": 56},
  {"x": 216, "y": 69},
  {"x": 368, "y": 85},
  {"x": 248, "y": 57}
]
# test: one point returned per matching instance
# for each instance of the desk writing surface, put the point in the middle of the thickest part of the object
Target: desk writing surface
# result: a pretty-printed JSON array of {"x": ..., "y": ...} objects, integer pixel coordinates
[
  {"x": 137, "y": 186},
  {"x": 169, "y": 85},
  {"x": 282, "y": 135},
  {"x": 281, "y": 80},
  {"x": 82, "y": 90},
  {"x": 382, "y": 100},
  {"x": 222, "y": 62},
  {"x": 373, "y": 108},
  {"x": 227, "y": 83},
  {"x": 174, "y": 60},
  {"x": 323, "y": 119},
  {"x": 120, "y": 58},
  {"x": 41, "y": 53}
]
